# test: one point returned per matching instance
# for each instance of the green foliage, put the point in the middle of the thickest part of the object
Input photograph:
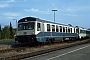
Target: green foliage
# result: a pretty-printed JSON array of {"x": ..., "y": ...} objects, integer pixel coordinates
[
  {"x": 7, "y": 32},
  {"x": 11, "y": 31},
  {"x": 0, "y": 31}
]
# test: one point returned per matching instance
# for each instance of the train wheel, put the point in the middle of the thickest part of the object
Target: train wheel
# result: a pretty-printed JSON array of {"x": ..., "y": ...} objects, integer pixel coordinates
[{"x": 49, "y": 41}]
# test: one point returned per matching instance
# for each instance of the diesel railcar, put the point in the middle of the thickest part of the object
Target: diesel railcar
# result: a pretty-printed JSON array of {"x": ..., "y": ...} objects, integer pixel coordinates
[{"x": 32, "y": 30}]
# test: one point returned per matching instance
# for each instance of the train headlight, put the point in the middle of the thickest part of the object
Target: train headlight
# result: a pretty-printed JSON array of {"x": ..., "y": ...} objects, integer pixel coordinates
[
  {"x": 33, "y": 33},
  {"x": 24, "y": 33},
  {"x": 17, "y": 33}
]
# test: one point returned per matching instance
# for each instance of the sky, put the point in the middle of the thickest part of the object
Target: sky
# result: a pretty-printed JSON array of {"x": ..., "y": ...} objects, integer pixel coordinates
[{"x": 75, "y": 12}]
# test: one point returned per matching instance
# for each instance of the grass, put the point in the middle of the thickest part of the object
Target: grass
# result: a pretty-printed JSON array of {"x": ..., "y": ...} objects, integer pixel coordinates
[{"x": 7, "y": 40}]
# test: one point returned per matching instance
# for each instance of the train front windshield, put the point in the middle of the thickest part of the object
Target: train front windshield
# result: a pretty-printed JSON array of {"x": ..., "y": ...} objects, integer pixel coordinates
[{"x": 26, "y": 26}]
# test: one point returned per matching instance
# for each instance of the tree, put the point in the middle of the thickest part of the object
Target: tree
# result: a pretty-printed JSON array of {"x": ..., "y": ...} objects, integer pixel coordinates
[
  {"x": 11, "y": 31},
  {"x": 6, "y": 32},
  {"x": 0, "y": 32},
  {"x": 14, "y": 31}
]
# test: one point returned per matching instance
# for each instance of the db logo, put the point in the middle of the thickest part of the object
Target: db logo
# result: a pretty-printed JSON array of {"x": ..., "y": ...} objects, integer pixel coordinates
[{"x": 25, "y": 33}]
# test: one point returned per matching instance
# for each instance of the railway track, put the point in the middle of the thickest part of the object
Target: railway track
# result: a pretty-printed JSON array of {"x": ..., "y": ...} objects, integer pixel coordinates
[{"x": 20, "y": 53}]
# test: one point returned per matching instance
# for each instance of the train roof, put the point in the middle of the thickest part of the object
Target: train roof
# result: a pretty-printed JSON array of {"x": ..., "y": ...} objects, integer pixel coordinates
[
  {"x": 37, "y": 19},
  {"x": 27, "y": 18}
]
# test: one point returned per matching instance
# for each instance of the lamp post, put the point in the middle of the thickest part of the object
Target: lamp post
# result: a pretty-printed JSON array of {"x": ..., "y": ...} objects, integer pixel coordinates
[
  {"x": 54, "y": 14},
  {"x": 16, "y": 22},
  {"x": 16, "y": 30}
]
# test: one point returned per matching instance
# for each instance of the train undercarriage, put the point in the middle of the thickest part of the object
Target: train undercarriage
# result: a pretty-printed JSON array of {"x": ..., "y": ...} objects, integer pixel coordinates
[{"x": 32, "y": 40}]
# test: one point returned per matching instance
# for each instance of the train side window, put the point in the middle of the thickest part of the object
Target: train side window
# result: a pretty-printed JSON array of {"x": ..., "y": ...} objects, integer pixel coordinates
[
  {"x": 66, "y": 30},
  {"x": 57, "y": 30},
  {"x": 48, "y": 27},
  {"x": 38, "y": 27},
  {"x": 53, "y": 28},
  {"x": 60, "y": 28},
  {"x": 69, "y": 30},
  {"x": 76, "y": 30},
  {"x": 63, "y": 29}
]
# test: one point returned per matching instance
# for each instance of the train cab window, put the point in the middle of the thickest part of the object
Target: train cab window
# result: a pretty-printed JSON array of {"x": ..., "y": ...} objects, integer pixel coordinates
[
  {"x": 63, "y": 29},
  {"x": 38, "y": 27},
  {"x": 57, "y": 30},
  {"x": 60, "y": 28},
  {"x": 82, "y": 31},
  {"x": 26, "y": 26},
  {"x": 53, "y": 28},
  {"x": 48, "y": 27}
]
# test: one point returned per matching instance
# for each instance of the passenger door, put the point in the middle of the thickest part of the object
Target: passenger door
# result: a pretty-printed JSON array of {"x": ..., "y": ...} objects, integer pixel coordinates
[{"x": 42, "y": 27}]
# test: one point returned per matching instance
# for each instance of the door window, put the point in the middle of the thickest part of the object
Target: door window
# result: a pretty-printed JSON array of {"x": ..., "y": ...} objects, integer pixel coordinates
[{"x": 38, "y": 27}]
